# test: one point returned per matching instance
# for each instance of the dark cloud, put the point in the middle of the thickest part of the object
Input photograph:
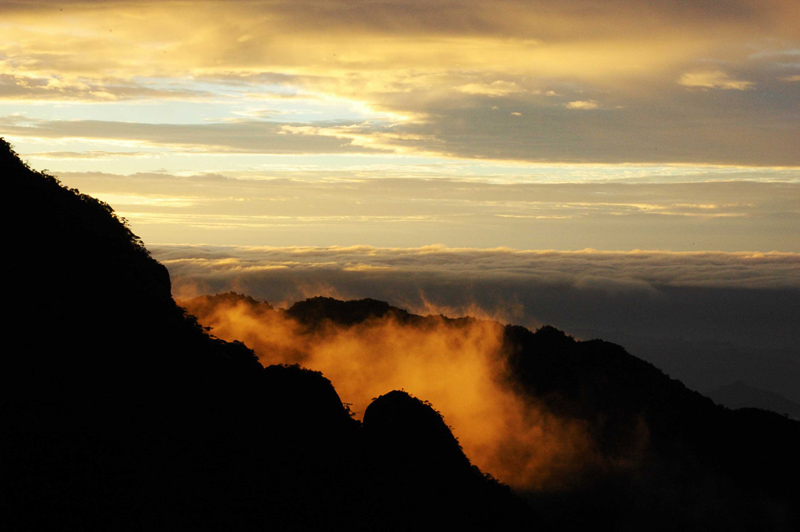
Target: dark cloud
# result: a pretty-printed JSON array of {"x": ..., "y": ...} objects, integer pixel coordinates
[
  {"x": 240, "y": 136},
  {"x": 16, "y": 87},
  {"x": 674, "y": 124}
]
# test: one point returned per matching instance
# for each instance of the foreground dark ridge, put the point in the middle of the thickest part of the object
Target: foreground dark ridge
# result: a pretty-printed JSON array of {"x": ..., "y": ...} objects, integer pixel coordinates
[
  {"x": 686, "y": 461},
  {"x": 121, "y": 413}
]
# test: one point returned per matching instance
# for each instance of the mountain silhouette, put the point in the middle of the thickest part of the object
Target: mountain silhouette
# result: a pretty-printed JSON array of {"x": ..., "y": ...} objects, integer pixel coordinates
[
  {"x": 121, "y": 412},
  {"x": 315, "y": 311},
  {"x": 669, "y": 457},
  {"x": 741, "y": 395}
]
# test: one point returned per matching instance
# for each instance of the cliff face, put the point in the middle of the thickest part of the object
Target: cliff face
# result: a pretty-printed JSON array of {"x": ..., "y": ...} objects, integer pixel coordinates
[{"x": 121, "y": 413}]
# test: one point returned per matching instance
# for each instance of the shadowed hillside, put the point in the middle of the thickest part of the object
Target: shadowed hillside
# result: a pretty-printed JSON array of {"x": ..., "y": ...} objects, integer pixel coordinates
[
  {"x": 121, "y": 413},
  {"x": 655, "y": 455}
]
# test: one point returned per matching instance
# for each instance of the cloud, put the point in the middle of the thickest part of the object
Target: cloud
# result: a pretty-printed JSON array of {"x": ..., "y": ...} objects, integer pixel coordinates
[
  {"x": 582, "y": 104},
  {"x": 714, "y": 79},
  {"x": 550, "y": 37},
  {"x": 89, "y": 155},
  {"x": 495, "y": 88},
  {"x": 705, "y": 318},
  {"x": 240, "y": 136},
  {"x": 372, "y": 136},
  {"x": 456, "y": 366},
  {"x": 286, "y": 206},
  {"x": 59, "y": 88},
  {"x": 646, "y": 270},
  {"x": 435, "y": 73}
]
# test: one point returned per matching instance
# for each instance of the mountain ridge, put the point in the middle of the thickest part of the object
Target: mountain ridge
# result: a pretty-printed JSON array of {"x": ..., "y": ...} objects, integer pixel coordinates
[
  {"x": 122, "y": 413},
  {"x": 740, "y": 395},
  {"x": 623, "y": 399}
]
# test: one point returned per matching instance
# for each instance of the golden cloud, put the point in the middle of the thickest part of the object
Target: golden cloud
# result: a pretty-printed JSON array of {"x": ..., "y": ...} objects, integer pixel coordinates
[
  {"x": 714, "y": 79},
  {"x": 457, "y": 365},
  {"x": 582, "y": 104},
  {"x": 431, "y": 70}
]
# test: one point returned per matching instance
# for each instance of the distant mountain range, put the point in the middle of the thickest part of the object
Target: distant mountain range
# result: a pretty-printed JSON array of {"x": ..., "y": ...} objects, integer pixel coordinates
[
  {"x": 740, "y": 395},
  {"x": 121, "y": 412}
]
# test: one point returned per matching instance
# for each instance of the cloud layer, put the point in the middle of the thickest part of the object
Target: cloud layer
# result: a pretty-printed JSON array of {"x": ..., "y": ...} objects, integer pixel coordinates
[
  {"x": 644, "y": 271},
  {"x": 312, "y": 205},
  {"x": 708, "y": 319}
]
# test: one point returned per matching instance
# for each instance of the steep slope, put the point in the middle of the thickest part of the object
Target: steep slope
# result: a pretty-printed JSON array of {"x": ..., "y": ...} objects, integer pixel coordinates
[
  {"x": 121, "y": 413},
  {"x": 696, "y": 464}
]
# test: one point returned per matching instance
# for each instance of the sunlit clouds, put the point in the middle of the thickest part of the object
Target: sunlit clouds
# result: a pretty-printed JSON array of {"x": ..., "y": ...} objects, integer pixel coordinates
[
  {"x": 714, "y": 79},
  {"x": 568, "y": 125},
  {"x": 417, "y": 202},
  {"x": 618, "y": 271},
  {"x": 458, "y": 366},
  {"x": 399, "y": 77},
  {"x": 396, "y": 123}
]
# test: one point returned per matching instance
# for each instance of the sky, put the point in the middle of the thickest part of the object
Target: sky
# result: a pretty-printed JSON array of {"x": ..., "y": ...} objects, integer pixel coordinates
[{"x": 528, "y": 145}]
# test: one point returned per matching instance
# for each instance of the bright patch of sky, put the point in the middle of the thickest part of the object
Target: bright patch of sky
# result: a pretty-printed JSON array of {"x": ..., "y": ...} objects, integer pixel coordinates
[
  {"x": 203, "y": 102},
  {"x": 120, "y": 157}
]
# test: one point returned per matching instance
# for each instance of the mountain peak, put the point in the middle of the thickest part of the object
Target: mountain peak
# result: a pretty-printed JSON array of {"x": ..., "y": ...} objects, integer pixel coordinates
[
  {"x": 412, "y": 431},
  {"x": 316, "y": 309}
]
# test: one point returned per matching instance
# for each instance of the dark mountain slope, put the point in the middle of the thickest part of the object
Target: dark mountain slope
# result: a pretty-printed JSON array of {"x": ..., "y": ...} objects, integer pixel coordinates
[
  {"x": 669, "y": 458},
  {"x": 121, "y": 413},
  {"x": 417, "y": 461},
  {"x": 697, "y": 464}
]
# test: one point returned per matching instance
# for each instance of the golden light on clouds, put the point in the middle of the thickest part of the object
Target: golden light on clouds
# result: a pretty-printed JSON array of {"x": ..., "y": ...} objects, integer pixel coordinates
[
  {"x": 582, "y": 104},
  {"x": 457, "y": 90},
  {"x": 347, "y": 40},
  {"x": 442, "y": 154},
  {"x": 457, "y": 365},
  {"x": 714, "y": 79}
]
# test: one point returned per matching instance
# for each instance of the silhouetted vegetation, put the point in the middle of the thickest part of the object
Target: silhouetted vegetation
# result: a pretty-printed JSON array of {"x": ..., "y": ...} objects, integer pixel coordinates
[{"x": 315, "y": 311}]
